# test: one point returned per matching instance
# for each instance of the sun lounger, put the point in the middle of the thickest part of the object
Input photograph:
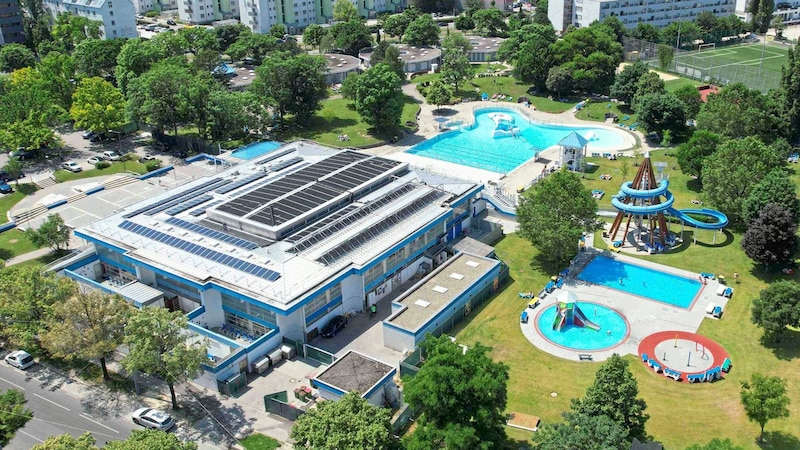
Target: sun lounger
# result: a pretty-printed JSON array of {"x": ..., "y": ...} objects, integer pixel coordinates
[
  {"x": 564, "y": 273},
  {"x": 721, "y": 290},
  {"x": 726, "y": 365},
  {"x": 655, "y": 365},
  {"x": 550, "y": 287},
  {"x": 728, "y": 292},
  {"x": 710, "y": 308},
  {"x": 526, "y": 295},
  {"x": 613, "y": 249},
  {"x": 533, "y": 303},
  {"x": 717, "y": 312},
  {"x": 713, "y": 374},
  {"x": 523, "y": 318},
  {"x": 560, "y": 283},
  {"x": 707, "y": 275},
  {"x": 697, "y": 378}
]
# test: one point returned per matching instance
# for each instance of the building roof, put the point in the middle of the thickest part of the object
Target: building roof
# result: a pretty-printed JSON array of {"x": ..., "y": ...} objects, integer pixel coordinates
[
  {"x": 573, "y": 140},
  {"x": 362, "y": 206},
  {"x": 637, "y": 445},
  {"x": 338, "y": 63},
  {"x": 354, "y": 372},
  {"x": 140, "y": 293},
  {"x": 410, "y": 53},
  {"x": 474, "y": 246},
  {"x": 438, "y": 290},
  {"x": 482, "y": 44}
]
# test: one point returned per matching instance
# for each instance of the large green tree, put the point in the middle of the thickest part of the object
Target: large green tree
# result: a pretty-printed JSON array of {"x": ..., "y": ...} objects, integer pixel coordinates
[
  {"x": 351, "y": 36},
  {"x": 770, "y": 238},
  {"x": 614, "y": 394},
  {"x": 777, "y": 307},
  {"x": 422, "y": 32},
  {"x": 626, "y": 82},
  {"x": 378, "y": 97},
  {"x": 455, "y": 60},
  {"x": 737, "y": 112},
  {"x": 259, "y": 46},
  {"x": 450, "y": 436},
  {"x": 234, "y": 114},
  {"x": 158, "y": 346},
  {"x": 462, "y": 388},
  {"x": 228, "y": 34},
  {"x": 53, "y": 233},
  {"x": 553, "y": 215},
  {"x": 138, "y": 440},
  {"x": 490, "y": 22},
  {"x": 159, "y": 97},
  {"x": 70, "y": 30},
  {"x": 528, "y": 49},
  {"x": 790, "y": 86},
  {"x": 68, "y": 442},
  {"x": 661, "y": 112},
  {"x": 396, "y": 24},
  {"x": 135, "y": 57},
  {"x": 731, "y": 173},
  {"x": 693, "y": 153},
  {"x": 345, "y": 11},
  {"x": 58, "y": 72},
  {"x": 691, "y": 99},
  {"x": 197, "y": 39},
  {"x": 350, "y": 423},
  {"x": 313, "y": 34},
  {"x": 15, "y": 56},
  {"x": 13, "y": 414},
  {"x": 581, "y": 431},
  {"x": 764, "y": 398},
  {"x": 776, "y": 188},
  {"x": 88, "y": 326},
  {"x": 13, "y": 168},
  {"x": 97, "y": 105},
  {"x": 650, "y": 83},
  {"x": 592, "y": 56},
  {"x": 292, "y": 84},
  {"x": 439, "y": 93},
  {"x": 97, "y": 57}
]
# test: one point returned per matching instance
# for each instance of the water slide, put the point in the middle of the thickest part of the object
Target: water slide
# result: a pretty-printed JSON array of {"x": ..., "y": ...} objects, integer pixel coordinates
[
  {"x": 561, "y": 319},
  {"x": 578, "y": 315},
  {"x": 721, "y": 220}
]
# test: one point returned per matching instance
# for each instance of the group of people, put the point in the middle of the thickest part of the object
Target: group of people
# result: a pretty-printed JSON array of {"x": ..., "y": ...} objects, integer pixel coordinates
[{"x": 344, "y": 138}]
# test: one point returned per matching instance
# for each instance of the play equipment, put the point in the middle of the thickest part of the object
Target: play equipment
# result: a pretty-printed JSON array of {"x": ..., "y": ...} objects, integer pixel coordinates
[
  {"x": 570, "y": 314},
  {"x": 503, "y": 125},
  {"x": 646, "y": 199}
]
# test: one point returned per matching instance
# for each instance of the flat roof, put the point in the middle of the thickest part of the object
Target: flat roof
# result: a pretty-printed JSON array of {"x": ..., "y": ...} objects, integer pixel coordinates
[
  {"x": 338, "y": 63},
  {"x": 438, "y": 290},
  {"x": 410, "y": 53},
  {"x": 482, "y": 44},
  {"x": 354, "y": 372}
]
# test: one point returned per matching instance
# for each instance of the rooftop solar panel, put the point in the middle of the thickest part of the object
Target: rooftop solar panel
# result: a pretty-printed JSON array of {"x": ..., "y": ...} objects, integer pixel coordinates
[
  {"x": 239, "y": 183},
  {"x": 214, "y": 234},
  {"x": 327, "y": 220},
  {"x": 181, "y": 207},
  {"x": 172, "y": 198},
  {"x": 187, "y": 195},
  {"x": 199, "y": 211},
  {"x": 201, "y": 251}
]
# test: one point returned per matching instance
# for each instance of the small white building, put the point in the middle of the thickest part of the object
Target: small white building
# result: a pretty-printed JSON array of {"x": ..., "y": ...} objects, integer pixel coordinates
[
  {"x": 117, "y": 17},
  {"x": 484, "y": 49},
  {"x": 340, "y": 66},
  {"x": 415, "y": 59}
]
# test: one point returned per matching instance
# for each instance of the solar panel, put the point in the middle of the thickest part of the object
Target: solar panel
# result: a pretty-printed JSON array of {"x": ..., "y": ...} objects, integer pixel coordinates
[
  {"x": 189, "y": 204},
  {"x": 321, "y": 223},
  {"x": 280, "y": 165},
  {"x": 199, "y": 211},
  {"x": 213, "y": 255},
  {"x": 171, "y": 198},
  {"x": 187, "y": 195},
  {"x": 214, "y": 234},
  {"x": 239, "y": 183}
]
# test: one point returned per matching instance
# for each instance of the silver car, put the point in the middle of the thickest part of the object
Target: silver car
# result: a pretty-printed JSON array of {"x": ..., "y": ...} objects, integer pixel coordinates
[{"x": 153, "y": 418}]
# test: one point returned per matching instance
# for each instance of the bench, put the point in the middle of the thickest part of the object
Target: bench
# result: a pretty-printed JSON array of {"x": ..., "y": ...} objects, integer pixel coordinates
[
  {"x": 726, "y": 365},
  {"x": 585, "y": 357}
]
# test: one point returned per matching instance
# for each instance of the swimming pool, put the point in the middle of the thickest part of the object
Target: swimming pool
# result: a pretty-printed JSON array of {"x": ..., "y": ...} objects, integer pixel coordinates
[
  {"x": 637, "y": 280},
  {"x": 477, "y": 146},
  {"x": 255, "y": 150},
  {"x": 613, "y": 328}
]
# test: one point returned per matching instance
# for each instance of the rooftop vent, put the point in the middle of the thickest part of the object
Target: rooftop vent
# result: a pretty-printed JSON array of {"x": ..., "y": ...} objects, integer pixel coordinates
[
  {"x": 457, "y": 276},
  {"x": 422, "y": 303},
  {"x": 473, "y": 263},
  {"x": 440, "y": 289}
]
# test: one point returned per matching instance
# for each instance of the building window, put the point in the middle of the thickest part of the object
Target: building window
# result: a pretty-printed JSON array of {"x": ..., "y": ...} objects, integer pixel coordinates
[
  {"x": 111, "y": 13},
  {"x": 110, "y": 5},
  {"x": 113, "y": 23},
  {"x": 249, "y": 309},
  {"x": 373, "y": 274}
]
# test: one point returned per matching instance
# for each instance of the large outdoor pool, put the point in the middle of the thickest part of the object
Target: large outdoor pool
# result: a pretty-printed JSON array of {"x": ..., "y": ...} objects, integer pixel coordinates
[
  {"x": 613, "y": 328},
  {"x": 477, "y": 146},
  {"x": 255, "y": 150},
  {"x": 637, "y": 280}
]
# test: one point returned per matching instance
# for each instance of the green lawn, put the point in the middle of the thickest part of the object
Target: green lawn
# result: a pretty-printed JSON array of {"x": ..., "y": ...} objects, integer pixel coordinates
[
  {"x": 595, "y": 111},
  {"x": 672, "y": 85},
  {"x": 13, "y": 243},
  {"x": 116, "y": 167},
  {"x": 258, "y": 441},
  {"x": 9, "y": 200}
]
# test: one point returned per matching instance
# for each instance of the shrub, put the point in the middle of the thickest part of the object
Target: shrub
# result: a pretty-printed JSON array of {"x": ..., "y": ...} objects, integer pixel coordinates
[
  {"x": 152, "y": 165},
  {"x": 102, "y": 165},
  {"x": 151, "y": 14}
]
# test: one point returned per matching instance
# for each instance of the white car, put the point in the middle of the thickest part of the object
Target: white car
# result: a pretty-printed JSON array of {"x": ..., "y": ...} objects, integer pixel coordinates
[
  {"x": 112, "y": 155},
  {"x": 20, "y": 359},
  {"x": 94, "y": 160},
  {"x": 72, "y": 166},
  {"x": 153, "y": 418}
]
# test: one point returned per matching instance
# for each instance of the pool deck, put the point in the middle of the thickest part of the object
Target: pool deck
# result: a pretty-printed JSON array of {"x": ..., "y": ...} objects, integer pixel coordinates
[{"x": 644, "y": 316}]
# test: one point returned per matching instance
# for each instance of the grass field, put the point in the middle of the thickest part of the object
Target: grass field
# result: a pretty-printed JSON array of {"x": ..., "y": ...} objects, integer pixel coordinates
[
  {"x": 680, "y": 414},
  {"x": 741, "y": 55}
]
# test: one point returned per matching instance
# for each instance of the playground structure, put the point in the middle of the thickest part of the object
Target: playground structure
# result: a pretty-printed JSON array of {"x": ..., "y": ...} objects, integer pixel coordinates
[
  {"x": 568, "y": 313},
  {"x": 503, "y": 125},
  {"x": 684, "y": 356},
  {"x": 647, "y": 200}
]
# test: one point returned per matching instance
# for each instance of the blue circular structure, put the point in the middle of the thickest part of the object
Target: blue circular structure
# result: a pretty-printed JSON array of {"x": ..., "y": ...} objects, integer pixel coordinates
[{"x": 613, "y": 330}]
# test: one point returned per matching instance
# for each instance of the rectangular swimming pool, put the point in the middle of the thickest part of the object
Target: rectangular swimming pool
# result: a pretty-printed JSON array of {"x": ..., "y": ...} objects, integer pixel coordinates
[{"x": 642, "y": 281}]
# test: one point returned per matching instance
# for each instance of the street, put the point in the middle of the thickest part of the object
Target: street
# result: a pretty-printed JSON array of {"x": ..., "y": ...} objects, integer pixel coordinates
[{"x": 55, "y": 411}]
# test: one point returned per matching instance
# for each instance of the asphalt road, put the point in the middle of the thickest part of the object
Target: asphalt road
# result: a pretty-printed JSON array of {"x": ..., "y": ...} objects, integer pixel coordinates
[{"x": 55, "y": 411}]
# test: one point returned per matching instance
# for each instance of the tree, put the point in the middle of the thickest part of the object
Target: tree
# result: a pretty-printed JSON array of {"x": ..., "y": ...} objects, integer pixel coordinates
[
  {"x": 762, "y": 14},
  {"x": 349, "y": 423},
  {"x": 97, "y": 57},
  {"x": 770, "y": 238},
  {"x": 13, "y": 168},
  {"x": 422, "y": 32},
  {"x": 233, "y": 114},
  {"x": 559, "y": 80},
  {"x": 776, "y": 188},
  {"x": 649, "y": 83},
  {"x": 313, "y": 34},
  {"x": 15, "y": 56},
  {"x": 540, "y": 13},
  {"x": 69, "y": 30},
  {"x": 737, "y": 112},
  {"x": 645, "y": 32},
  {"x": 451, "y": 436},
  {"x": 196, "y": 39},
  {"x": 345, "y": 11},
  {"x": 351, "y": 36},
  {"x": 613, "y": 394},
  {"x": 691, "y": 99},
  {"x": 790, "y": 87},
  {"x": 158, "y": 96},
  {"x": 439, "y": 94},
  {"x": 661, "y": 112},
  {"x": 158, "y": 347},
  {"x": 716, "y": 444},
  {"x": 88, "y": 326},
  {"x": 391, "y": 57},
  {"x": 150, "y": 439},
  {"x": 528, "y": 49},
  {"x": 665, "y": 55},
  {"x": 13, "y": 414},
  {"x": 693, "y": 153},
  {"x": 136, "y": 57},
  {"x": 296, "y": 84},
  {"x": 58, "y": 73},
  {"x": 731, "y": 173},
  {"x": 228, "y": 34},
  {"x": 378, "y": 97},
  {"x": 490, "y": 22},
  {"x": 626, "y": 82},
  {"x": 686, "y": 32},
  {"x": 464, "y": 388},
  {"x": 592, "y": 54},
  {"x": 764, "y": 398},
  {"x": 68, "y": 442},
  {"x": 464, "y": 22},
  {"x": 97, "y": 105},
  {"x": 581, "y": 431},
  {"x": 396, "y": 24},
  {"x": 777, "y": 307},
  {"x": 455, "y": 60},
  {"x": 53, "y": 233},
  {"x": 259, "y": 46}
]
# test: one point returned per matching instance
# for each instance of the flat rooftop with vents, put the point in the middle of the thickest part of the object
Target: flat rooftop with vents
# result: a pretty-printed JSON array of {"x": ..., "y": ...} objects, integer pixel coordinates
[{"x": 356, "y": 372}]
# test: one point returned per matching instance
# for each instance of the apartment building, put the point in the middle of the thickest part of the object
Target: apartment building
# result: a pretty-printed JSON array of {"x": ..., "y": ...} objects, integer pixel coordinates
[
  {"x": 117, "y": 17},
  {"x": 143, "y": 6},
  {"x": 10, "y": 22},
  {"x": 658, "y": 13},
  {"x": 261, "y": 15},
  {"x": 207, "y": 11}
]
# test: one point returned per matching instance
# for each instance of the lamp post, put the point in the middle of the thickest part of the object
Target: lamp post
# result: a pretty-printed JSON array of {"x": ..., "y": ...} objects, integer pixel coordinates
[{"x": 119, "y": 148}]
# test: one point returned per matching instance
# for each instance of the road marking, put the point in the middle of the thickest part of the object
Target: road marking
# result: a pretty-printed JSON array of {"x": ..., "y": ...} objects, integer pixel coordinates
[
  {"x": 13, "y": 384},
  {"x": 98, "y": 423},
  {"x": 30, "y": 435},
  {"x": 48, "y": 400}
]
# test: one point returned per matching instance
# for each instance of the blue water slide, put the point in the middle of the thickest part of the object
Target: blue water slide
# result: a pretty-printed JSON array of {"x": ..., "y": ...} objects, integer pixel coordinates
[
  {"x": 644, "y": 193},
  {"x": 643, "y": 209},
  {"x": 683, "y": 214}
]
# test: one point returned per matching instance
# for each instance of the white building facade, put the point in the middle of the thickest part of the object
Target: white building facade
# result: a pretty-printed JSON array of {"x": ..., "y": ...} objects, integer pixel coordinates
[
  {"x": 117, "y": 17},
  {"x": 207, "y": 11}
]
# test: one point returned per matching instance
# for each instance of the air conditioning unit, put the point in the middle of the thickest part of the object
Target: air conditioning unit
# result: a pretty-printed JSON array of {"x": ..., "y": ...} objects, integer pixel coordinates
[{"x": 262, "y": 365}]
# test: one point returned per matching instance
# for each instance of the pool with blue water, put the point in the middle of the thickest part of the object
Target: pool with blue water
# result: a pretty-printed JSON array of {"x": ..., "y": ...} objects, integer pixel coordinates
[
  {"x": 255, "y": 150},
  {"x": 476, "y": 145},
  {"x": 613, "y": 328},
  {"x": 642, "y": 281}
]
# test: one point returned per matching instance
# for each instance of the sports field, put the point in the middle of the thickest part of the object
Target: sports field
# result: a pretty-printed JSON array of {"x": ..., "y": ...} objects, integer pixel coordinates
[{"x": 756, "y": 65}]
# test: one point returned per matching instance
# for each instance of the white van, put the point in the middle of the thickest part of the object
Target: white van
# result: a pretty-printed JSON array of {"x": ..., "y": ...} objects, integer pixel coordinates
[{"x": 112, "y": 155}]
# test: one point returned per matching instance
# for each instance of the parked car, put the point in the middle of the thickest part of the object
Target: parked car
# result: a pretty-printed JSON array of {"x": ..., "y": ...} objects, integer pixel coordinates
[
  {"x": 5, "y": 189},
  {"x": 146, "y": 158},
  {"x": 153, "y": 418},
  {"x": 151, "y": 27},
  {"x": 171, "y": 22},
  {"x": 337, "y": 324},
  {"x": 112, "y": 155},
  {"x": 72, "y": 166},
  {"x": 97, "y": 137},
  {"x": 94, "y": 160},
  {"x": 6, "y": 177},
  {"x": 20, "y": 359},
  {"x": 88, "y": 134},
  {"x": 21, "y": 154}
]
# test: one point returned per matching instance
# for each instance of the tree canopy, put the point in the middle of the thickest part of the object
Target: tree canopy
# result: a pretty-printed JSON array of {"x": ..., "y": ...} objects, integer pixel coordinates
[
  {"x": 455, "y": 60},
  {"x": 661, "y": 112},
  {"x": 53, "y": 233},
  {"x": 378, "y": 97},
  {"x": 294, "y": 84},
  {"x": 15, "y": 56},
  {"x": 716, "y": 444},
  {"x": 553, "y": 215},
  {"x": 592, "y": 54},
  {"x": 777, "y": 307},
  {"x": 97, "y": 57},
  {"x": 350, "y": 423},
  {"x": 351, "y": 36},
  {"x": 97, "y": 105},
  {"x": 626, "y": 82},
  {"x": 738, "y": 112},
  {"x": 313, "y": 34},
  {"x": 581, "y": 431},
  {"x": 764, "y": 398},
  {"x": 693, "y": 153},
  {"x": 528, "y": 49},
  {"x": 439, "y": 93},
  {"x": 776, "y": 188},
  {"x": 159, "y": 96},
  {"x": 490, "y": 22},
  {"x": 138, "y": 440},
  {"x": 345, "y": 11},
  {"x": 790, "y": 85},
  {"x": 422, "y": 32},
  {"x": 770, "y": 238},
  {"x": 691, "y": 99},
  {"x": 13, "y": 414}
]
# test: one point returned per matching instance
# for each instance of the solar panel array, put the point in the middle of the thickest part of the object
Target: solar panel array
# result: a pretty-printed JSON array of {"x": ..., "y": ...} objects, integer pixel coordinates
[
  {"x": 199, "y": 211},
  {"x": 280, "y": 165},
  {"x": 187, "y": 195},
  {"x": 214, "y": 234},
  {"x": 334, "y": 226},
  {"x": 203, "y": 252},
  {"x": 239, "y": 183},
  {"x": 177, "y": 198},
  {"x": 254, "y": 199},
  {"x": 181, "y": 207},
  {"x": 327, "y": 220},
  {"x": 370, "y": 233}
]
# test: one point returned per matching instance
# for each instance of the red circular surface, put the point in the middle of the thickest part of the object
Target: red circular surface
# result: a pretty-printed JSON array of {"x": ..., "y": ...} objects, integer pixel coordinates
[{"x": 648, "y": 346}]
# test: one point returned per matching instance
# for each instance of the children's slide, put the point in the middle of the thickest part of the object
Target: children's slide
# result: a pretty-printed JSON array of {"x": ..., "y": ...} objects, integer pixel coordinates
[{"x": 579, "y": 317}]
